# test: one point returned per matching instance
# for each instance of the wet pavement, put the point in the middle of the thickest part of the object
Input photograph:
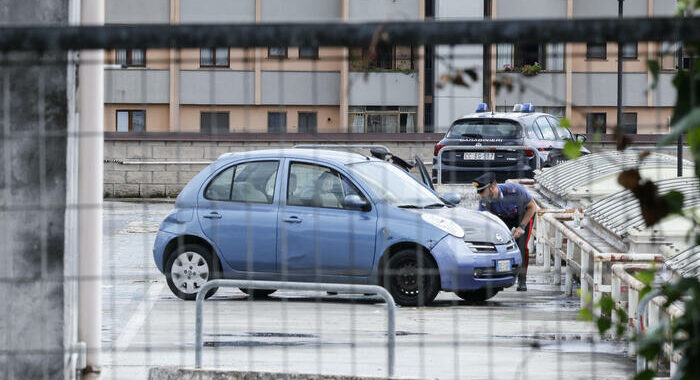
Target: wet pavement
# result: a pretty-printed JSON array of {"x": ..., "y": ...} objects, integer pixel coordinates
[{"x": 531, "y": 335}]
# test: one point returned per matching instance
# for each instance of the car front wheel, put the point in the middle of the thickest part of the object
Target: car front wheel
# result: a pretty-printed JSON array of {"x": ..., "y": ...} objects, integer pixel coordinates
[
  {"x": 412, "y": 278},
  {"x": 188, "y": 268},
  {"x": 479, "y": 295}
]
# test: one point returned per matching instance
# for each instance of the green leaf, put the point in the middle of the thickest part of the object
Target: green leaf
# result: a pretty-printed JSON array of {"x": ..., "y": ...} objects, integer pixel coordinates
[
  {"x": 604, "y": 324},
  {"x": 572, "y": 149},
  {"x": 674, "y": 200},
  {"x": 653, "y": 67},
  {"x": 647, "y": 374},
  {"x": 645, "y": 276},
  {"x": 585, "y": 314},
  {"x": 564, "y": 122},
  {"x": 688, "y": 122},
  {"x": 606, "y": 304}
]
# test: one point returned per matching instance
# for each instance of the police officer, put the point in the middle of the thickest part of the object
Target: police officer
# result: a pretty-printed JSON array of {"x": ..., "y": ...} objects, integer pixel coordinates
[{"x": 514, "y": 205}]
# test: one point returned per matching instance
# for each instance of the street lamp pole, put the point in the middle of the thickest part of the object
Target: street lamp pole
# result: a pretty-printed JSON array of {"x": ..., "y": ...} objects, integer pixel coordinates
[{"x": 619, "y": 71}]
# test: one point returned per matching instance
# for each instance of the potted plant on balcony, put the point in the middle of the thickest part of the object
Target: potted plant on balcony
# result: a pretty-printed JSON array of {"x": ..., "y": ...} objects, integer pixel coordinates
[
  {"x": 531, "y": 70},
  {"x": 507, "y": 67}
]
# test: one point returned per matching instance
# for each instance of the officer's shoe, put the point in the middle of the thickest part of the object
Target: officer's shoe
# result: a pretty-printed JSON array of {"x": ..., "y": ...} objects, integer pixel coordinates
[{"x": 522, "y": 287}]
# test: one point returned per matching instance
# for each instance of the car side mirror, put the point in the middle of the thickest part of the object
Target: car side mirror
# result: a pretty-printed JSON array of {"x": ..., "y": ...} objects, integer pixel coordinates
[
  {"x": 354, "y": 202},
  {"x": 452, "y": 198},
  {"x": 581, "y": 138}
]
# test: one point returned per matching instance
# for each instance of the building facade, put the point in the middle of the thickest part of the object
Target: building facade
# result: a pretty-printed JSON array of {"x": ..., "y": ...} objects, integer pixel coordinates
[{"x": 276, "y": 89}]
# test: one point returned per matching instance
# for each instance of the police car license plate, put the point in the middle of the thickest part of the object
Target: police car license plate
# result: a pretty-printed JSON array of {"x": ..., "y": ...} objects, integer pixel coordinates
[
  {"x": 503, "y": 266},
  {"x": 479, "y": 156}
]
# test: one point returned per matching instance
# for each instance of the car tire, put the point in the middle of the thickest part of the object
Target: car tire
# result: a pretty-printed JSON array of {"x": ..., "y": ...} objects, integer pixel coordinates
[
  {"x": 257, "y": 293},
  {"x": 403, "y": 280},
  {"x": 188, "y": 267},
  {"x": 479, "y": 295}
]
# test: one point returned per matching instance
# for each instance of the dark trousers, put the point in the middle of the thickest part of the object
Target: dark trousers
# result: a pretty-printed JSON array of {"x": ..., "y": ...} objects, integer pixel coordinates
[{"x": 524, "y": 252}]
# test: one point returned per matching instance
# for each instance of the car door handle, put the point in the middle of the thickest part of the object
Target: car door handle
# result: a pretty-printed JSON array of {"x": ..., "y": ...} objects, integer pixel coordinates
[
  {"x": 292, "y": 219},
  {"x": 213, "y": 215}
]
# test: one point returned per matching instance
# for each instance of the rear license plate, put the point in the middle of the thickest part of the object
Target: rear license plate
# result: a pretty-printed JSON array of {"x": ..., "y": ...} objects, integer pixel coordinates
[
  {"x": 479, "y": 156},
  {"x": 503, "y": 266}
]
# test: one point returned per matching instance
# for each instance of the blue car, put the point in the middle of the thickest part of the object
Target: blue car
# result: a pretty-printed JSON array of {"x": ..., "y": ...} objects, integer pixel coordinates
[{"x": 329, "y": 216}]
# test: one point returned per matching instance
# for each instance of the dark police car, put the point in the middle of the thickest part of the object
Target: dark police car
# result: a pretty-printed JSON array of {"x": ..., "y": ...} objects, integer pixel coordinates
[{"x": 509, "y": 144}]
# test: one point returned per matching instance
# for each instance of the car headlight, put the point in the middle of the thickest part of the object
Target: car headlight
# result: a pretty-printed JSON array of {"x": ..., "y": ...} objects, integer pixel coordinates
[{"x": 444, "y": 224}]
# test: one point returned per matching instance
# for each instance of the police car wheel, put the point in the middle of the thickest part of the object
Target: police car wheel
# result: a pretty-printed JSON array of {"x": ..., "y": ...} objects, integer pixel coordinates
[{"x": 412, "y": 278}]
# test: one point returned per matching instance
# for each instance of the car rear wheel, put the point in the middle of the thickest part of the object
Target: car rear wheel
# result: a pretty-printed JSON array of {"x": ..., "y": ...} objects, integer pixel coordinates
[
  {"x": 412, "y": 278},
  {"x": 257, "y": 293},
  {"x": 188, "y": 268},
  {"x": 479, "y": 295}
]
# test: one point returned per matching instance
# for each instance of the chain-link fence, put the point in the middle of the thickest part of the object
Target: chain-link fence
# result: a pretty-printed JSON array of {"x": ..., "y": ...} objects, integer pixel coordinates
[{"x": 324, "y": 162}]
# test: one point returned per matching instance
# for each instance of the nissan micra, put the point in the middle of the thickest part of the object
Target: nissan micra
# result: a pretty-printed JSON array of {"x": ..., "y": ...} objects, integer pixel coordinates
[{"x": 329, "y": 216}]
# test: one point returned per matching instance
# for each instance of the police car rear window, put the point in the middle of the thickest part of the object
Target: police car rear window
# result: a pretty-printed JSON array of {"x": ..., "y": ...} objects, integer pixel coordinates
[{"x": 485, "y": 128}]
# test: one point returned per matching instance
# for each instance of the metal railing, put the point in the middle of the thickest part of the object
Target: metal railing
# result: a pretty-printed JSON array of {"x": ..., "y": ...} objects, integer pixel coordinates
[
  {"x": 367, "y": 289},
  {"x": 484, "y": 148}
]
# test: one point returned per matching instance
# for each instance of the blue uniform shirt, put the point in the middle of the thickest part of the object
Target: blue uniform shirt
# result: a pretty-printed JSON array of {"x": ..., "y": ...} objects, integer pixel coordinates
[{"x": 510, "y": 206}]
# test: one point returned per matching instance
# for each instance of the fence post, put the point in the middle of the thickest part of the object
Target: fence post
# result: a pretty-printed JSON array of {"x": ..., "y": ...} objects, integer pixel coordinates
[
  {"x": 584, "y": 271},
  {"x": 569, "y": 284},
  {"x": 558, "y": 241},
  {"x": 597, "y": 282},
  {"x": 547, "y": 247}
]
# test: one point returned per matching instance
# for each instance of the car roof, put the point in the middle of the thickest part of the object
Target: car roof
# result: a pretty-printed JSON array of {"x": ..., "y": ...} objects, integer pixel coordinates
[
  {"x": 517, "y": 116},
  {"x": 338, "y": 157}
]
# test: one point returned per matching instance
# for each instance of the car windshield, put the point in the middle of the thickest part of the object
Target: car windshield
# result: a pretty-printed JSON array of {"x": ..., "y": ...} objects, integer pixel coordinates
[
  {"x": 394, "y": 186},
  {"x": 484, "y": 129}
]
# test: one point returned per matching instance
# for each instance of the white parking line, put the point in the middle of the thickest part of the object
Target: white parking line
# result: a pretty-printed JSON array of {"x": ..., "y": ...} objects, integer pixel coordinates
[{"x": 139, "y": 317}]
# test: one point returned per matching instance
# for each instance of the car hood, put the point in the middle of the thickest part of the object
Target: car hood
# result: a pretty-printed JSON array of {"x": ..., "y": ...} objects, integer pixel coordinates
[{"x": 478, "y": 226}]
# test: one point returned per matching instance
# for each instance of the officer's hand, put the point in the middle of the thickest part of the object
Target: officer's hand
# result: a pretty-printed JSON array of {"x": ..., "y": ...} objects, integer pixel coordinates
[{"x": 518, "y": 232}]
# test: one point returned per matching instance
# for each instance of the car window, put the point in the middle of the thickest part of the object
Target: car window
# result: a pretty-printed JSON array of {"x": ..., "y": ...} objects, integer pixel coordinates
[
  {"x": 250, "y": 182},
  {"x": 254, "y": 182},
  {"x": 219, "y": 188},
  {"x": 564, "y": 133},
  {"x": 535, "y": 131},
  {"x": 482, "y": 128},
  {"x": 545, "y": 129},
  {"x": 317, "y": 186}
]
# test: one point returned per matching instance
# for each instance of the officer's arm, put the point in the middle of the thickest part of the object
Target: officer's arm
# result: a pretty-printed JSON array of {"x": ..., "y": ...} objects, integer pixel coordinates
[{"x": 530, "y": 209}]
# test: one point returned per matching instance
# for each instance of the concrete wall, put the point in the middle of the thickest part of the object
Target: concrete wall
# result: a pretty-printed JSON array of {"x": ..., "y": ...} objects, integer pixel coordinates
[
  {"x": 607, "y": 8},
  {"x": 600, "y": 89},
  {"x": 383, "y": 10},
  {"x": 301, "y": 10},
  {"x": 519, "y": 9},
  {"x": 167, "y": 180},
  {"x": 545, "y": 89},
  {"x": 321, "y": 88},
  {"x": 137, "y": 86},
  {"x": 452, "y": 101},
  {"x": 217, "y": 11},
  {"x": 33, "y": 100},
  {"x": 137, "y": 11},
  {"x": 383, "y": 88},
  {"x": 217, "y": 87}
]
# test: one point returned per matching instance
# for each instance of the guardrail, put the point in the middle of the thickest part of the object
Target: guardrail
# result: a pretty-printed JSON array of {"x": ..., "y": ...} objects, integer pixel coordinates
[
  {"x": 581, "y": 258},
  {"x": 368, "y": 289},
  {"x": 485, "y": 148}
]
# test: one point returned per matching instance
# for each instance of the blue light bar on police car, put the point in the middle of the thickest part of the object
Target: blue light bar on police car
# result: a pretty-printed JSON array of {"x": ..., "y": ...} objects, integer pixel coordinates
[
  {"x": 518, "y": 108},
  {"x": 482, "y": 107},
  {"x": 528, "y": 107}
]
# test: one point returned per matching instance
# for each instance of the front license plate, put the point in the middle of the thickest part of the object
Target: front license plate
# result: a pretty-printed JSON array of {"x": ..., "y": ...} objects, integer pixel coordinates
[
  {"x": 503, "y": 266},
  {"x": 479, "y": 156}
]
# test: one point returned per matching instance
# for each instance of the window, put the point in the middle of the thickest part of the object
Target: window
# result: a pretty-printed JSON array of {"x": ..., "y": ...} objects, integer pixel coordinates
[
  {"x": 629, "y": 50},
  {"x": 213, "y": 122},
  {"x": 481, "y": 128},
  {"x": 317, "y": 186},
  {"x": 596, "y": 51},
  {"x": 380, "y": 119},
  {"x": 563, "y": 132},
  {"x": 131, "y": 121},
  {"x": 277, "y": 52},
  {"x": 596, "y": 122},
  {"x": 629, "y": 122},
  {"x": 307, "y": 122},
  {"x": 252, "y": 182},
  {"x": 548, "y": 56},
  {"x": 545, "y": 129},
  {"x": 218, "y": 57},
  {"x": 277, "y": 122},
  {"x": 131, "y": 57},
  {"x": 308, "y": 52},
  {"x": 384, "y": 57}
]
